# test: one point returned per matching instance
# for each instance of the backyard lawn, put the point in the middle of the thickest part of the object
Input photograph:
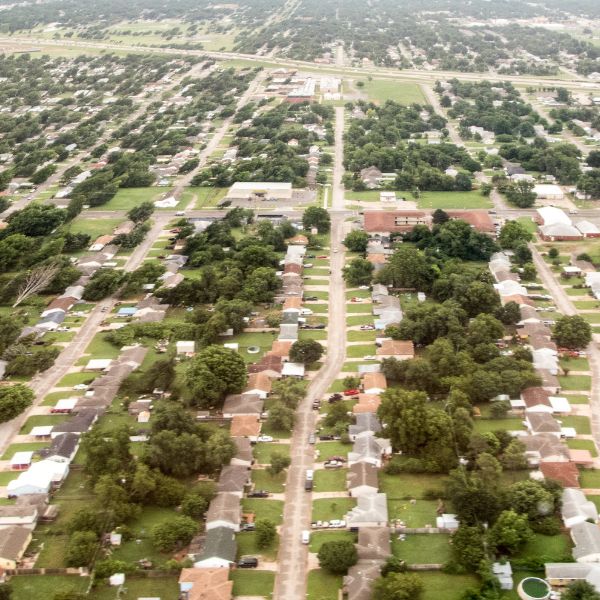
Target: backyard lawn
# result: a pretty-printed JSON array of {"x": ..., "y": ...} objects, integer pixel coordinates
[
  {"x": 548, "y": 548},
  {"x": 27, "y": 447},
  {"x": 142, "y": 587},
  {"x": 407, "y": 485},
  {"x": 419, "y": 514},
  {"x": 426, "y": 548},
  {"x": 30, "y": 587},
  {"x": 443, "y": 586}
]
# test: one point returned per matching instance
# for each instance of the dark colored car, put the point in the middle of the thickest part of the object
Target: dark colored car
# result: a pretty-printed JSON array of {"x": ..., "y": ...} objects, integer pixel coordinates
[
  {"x": 308, "y": 485},
  {"x": 248, "y": 562},
  {"x": 258, "y": 494},
  {"x": 326, "y": 438},
  {"x": 248, "y": 527}
]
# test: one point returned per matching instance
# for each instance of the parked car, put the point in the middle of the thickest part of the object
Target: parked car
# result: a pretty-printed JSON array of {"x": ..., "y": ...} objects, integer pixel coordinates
[
  {"x": 248, "y": 527},
  {"x": 258, "y": 494},
  {"x": 248, "y": 562},
  {"x": 337, "y": 523},
  {"x": 338, "y": 458},
  {"x": 333, "y": 464},
  {"x": 310, "y": 298},
  {"x": 306, "y": 311},
  {"x": 264, "y": 438},
  {"x": 367, "y": 327},
  {"x": 311, "y": 438},
  {"x": 351, "y": 392},
  {"x": 364, "y": 287},
  {"x": 308, "y": 485},
  {"x": 316, "y": 404},
  {"x": 305, "y": 537},
  {"x": 325, "y": 438}
]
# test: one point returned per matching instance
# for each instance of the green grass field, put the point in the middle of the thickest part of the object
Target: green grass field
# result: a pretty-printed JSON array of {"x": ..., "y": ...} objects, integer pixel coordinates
[
  {"x": 333, "y": 480},
  {"x": 94, "y": 227},
  {"x": 325, "y": 509},
  {"x": 252, "y": 582},
  {"x": 329, "y": 449},
  {"x": 575, "y": 382},
  {"x": 407, "y": 485},
  {"x": 264, "y": 481},
  {"x": 318, "y": 538},
  {"x": 140, "y": 587},
  {"x": 263, "y": 451},
  {"x": 264, "y": 509},
  {"x": 28, "y": 587},
  {"x": 380, "y": 90},
  {"x": 127, "y": 198},
  {"x": 423, "y": 548},
  {"x": 322, "y": 585},
  {"x": 457, "y": 200}
]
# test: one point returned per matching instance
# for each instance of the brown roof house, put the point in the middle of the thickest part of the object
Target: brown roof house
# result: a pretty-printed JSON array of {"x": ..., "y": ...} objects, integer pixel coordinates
[
  {"x": 367, "y": 403},
  {"x": 541, "y": 422},
  {"x": 398, "y": 349},
  {"x": 259, "y": 384},
  {"x": 281, "y": 348},
  {"x": 247, "y": 426},
  {"x": 205, "y": 584},
  {"x": 374, "y": 383},
  {"x": 384, "y": 222},
  {"x": 566, "y": 473},
  {"x": 374, "y": 543},
  {"x": 358, "y": 584}
]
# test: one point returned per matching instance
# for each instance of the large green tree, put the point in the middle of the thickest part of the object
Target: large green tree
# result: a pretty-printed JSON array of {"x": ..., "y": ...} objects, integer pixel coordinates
[
  {"x": 398, "y": 586},
  {"x": 572, "y": 331},
  {"x": 14, "y": 399},
  {"x": 315, "y": 216},
  {"x": 306, "y": 351},
  {"x": 337, "y": 556}
]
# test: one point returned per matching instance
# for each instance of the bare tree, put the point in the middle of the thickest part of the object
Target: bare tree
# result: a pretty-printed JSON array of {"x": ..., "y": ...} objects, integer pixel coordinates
[{"x": 35, "y": 281}]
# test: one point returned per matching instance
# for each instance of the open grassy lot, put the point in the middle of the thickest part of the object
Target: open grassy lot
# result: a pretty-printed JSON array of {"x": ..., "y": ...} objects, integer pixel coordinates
[
  {"x": 100, "y": 347},
  {"x": 202, "y": 197},
  {"x": 380, "y": 90},
  {"x": 333, "y": 480},
  {"x": 318, "y": 538},
  {"x": 528, "y": 223},
  {"x": 28, "y": 587},
  {"x": 252, "y": 582},
  {"x": 263, "y": 451},
  {"x": 329, "y": 449},
  {"x": 127, "y": 198},
  {"x": 94, "y": 227},
  {"x": 407, "y": 485},
  {"x": 509, "y": 424},
  {"x": 263, "y": 480},
  {"x": 141, "y": 587},
  {"x": 423, "y": 548},
  {"x": 419, "y": 514},
  {"x": 264, "y": 509},
  {"x": 458, "y": 200},
  {"x": 325, "y": 509},
  {"x": 575, "y": 382},
  {"x": 322, "y": 585}
]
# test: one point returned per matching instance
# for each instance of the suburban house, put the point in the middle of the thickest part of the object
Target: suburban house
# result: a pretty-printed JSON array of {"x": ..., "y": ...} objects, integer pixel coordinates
[
  {"x": 365, "y": 422},
  {"x": 24, "y": 516},
  {"x": 563, "y": 574},
  {"x": 358, "y": 584},
  {"x": 370, "y": 511},
  {"x": 234, "y": 479},
  {"x": 576, "y": 508},
  {"x": 40, "y": 478},
  {"x": 199, "y": 584},
  {"x": 374, "y": 543},
  {"x": 534, "y": 399},
  {"x": 243, "y": 454},
  {"x": 566, "y": 473},
  {"x": 13, "y": 543},
  {"x": 546, "y": 191},
  {"x": 544, "y": 447},
  {"x": 242, "y": 404},
  {"x": 370, "y": 449},
  {"x": 247, "y": 426},
  {"x": 586, "y": 538},
  {"x": 371, "y": 177},
  {"x": 398, "y": 349},
  {"x": 362, "y": 479},
  {"x": 224, "y": 511},
  {"x": 480, "y": 220},
  {"x": 374, "y": 383},
  {"x": 367, "y": 403},
  {"x": 258, "y": 384},
  {"x": 219, "y": 549},
  {"x": 542, "y": 423}
]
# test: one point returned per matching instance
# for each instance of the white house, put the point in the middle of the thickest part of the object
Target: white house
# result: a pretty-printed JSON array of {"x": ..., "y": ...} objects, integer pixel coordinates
[
  {"x": 586, "y": 538},
  {"x": 576, "y": 508}
]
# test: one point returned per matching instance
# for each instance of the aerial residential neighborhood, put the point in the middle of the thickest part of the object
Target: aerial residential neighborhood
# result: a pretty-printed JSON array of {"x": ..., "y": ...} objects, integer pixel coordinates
[{"x": 300, "y": 301}]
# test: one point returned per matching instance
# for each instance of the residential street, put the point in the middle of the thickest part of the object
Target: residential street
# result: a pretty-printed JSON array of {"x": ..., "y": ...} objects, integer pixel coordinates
[
  {"x": 290, "y": 582},
  {"x": 565, "y": 306}
]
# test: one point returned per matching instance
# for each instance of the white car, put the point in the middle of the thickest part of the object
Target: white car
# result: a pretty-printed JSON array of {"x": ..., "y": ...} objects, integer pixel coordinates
[
  {"x": 367, "y": 327},
  {"x": 80, "y": 386},
  {"x": 306, "y": 311},
  {"x": 363, "y": 287},
  {"x": 370, "y": 357},
  {"x": 264, "y": 438},
  {"x": 337, "y": 523}
]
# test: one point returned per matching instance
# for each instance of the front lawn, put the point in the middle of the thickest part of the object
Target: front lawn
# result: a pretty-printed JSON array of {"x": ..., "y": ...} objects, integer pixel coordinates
[
  {"x": 40, "y": 421},
  {"x": 264, "y": 509},
  {"x": 360, "y": 350},
  {"x": 422, "y": 549},
  {"x": 581, "y": 424},
  {"x": 359, "y": 320},
  {"x": 127, "y": 198},
  {"x": 575, "y": 382},
  {"x": 264, "y": 481},
  {"x": 361, "y": 336},
  {"x": 325, "y": 509},
  {"x": 322, "y": 585},
  {"x": 246, "y": 546},
  {"x": 575, "y": 364},
  {"x": 589, "y": 478},
  {"x": 251, "y": 582},
  {"x": 330, "y": 480},
  {"x": 583, "y": 445},
  {"x": 329, "y": 449},
  {"x": 318, "y": 538},
  {"x": 263, "y": 451}
]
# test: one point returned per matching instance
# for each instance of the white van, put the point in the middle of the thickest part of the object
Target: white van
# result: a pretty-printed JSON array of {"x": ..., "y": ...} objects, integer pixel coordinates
[
  {"x": 305, "y": 537},
  {"x": 309, "y": 474}
]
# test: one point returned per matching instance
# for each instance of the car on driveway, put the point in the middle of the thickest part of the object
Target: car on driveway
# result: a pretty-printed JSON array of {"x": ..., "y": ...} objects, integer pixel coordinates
[
  {"x": 367, "y": 327},
  {"x": 259, "y": 494},
  {"x": 351, "y": 392},
  {"x": 247, "y": 562},
  {"x": 264, "y": 438},
  {"x": 333, "y": 464}
]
